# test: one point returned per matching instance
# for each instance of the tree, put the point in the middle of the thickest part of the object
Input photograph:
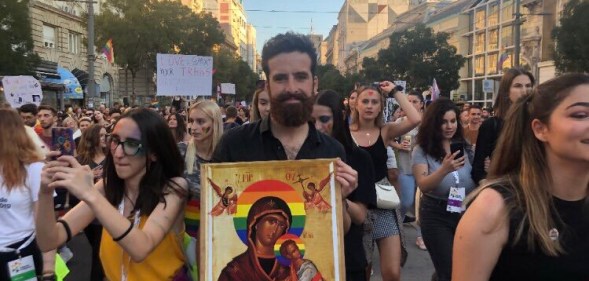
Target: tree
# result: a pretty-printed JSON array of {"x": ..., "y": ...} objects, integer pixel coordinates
[
  {"x": 572, "y": 38},
  {"x": 330, "y": 78},
  {"x": 417, "y": 56},
  {"x": 16, "y": 44},
  {"x": 142, "y": 28},
  {"x": 230, "y": 68}
]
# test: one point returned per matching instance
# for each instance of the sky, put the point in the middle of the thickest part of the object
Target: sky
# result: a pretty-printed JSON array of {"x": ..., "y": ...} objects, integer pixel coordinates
[{"x": 291, "y": 15}]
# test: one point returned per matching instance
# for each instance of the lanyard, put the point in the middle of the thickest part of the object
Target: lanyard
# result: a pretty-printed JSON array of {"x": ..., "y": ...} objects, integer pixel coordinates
[
  {"x": 22, "y": 246},
  {"x": 135, "y": 224},
  {"x": 456, "y": 178}
]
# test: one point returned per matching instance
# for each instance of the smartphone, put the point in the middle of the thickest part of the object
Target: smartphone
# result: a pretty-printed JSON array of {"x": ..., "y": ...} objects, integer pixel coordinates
[
  {"x": 62, "y": 139},
  {"x": 457, "y": 146}
]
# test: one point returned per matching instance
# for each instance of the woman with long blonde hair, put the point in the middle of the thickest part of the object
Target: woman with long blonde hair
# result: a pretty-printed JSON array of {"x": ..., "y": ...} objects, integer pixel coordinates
[
  {"x": 370, "y": 133},
  {"x": 260, "y": 105},
  {"x": 20, "y": 180},
  {"x": 531, "y": 217}
]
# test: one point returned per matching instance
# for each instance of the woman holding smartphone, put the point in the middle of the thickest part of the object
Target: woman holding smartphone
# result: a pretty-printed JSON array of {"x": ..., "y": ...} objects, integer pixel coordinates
[
  {"x": 140, "y": 201},
  {"x": 443, "y": 176}
]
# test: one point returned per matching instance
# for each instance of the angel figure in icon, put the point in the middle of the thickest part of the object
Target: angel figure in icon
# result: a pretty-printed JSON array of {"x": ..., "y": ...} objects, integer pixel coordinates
[
  {"x": 312, "y": 195},
  {"x": 227, "y": 200}
]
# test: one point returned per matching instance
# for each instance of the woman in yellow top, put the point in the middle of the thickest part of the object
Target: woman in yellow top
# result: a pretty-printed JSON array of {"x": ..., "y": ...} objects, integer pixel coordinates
[{"x": 140, "y": 202}]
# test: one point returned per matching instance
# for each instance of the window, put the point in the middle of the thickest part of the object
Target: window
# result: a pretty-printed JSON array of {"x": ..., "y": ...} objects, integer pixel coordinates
[
  {"x": 479, "y": 19},
  {"x": 74, "y": 42},
  {"x": 507, "y": 10},
  {"x": 492, "y": 60},
  {"x": 479, "y": 65},
  {"x": 493, "y": 39},
  {"x": 493, "y": 14},
  {"x": 507, "y": 36},
  {"x": 49, "y": 37},
  {"x": 479, "y": 43}
]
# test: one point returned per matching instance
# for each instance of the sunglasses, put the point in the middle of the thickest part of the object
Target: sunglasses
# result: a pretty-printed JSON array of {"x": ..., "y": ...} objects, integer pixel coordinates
[
  {"x": 324, "y": 119},
  {"x": 131, "y": 147}
]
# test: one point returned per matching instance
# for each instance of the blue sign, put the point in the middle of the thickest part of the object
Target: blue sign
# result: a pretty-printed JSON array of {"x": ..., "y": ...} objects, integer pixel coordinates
[{"x": 73, "y": 89}]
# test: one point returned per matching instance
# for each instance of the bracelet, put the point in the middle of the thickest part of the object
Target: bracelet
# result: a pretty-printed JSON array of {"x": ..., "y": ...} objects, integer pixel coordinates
[
  {"x": 124, "y": 234},
  {"x": 51, "y": 277},
  {"x": 68, "y": 230}
]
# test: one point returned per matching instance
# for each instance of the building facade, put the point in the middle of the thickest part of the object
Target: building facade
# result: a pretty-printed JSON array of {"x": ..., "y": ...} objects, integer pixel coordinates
[
  {"x": 360, "y": 20},
  {"x": 492, "y": 43},
  {"x": 59, "y": 34},
  {"x": 240, "y": 35}
]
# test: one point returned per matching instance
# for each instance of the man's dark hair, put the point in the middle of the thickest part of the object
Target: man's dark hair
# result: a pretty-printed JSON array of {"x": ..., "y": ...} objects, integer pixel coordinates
[
  {"x": 28, "y": 108},
  {"x": 47, "y": 107},
  {"x": 231, "y": 112},
  {"x": 156, "y": 183},
  {"x": 287, "y": 43},
  {"x": 114, "y": 110},
  {"x": 475, "y": 106}
]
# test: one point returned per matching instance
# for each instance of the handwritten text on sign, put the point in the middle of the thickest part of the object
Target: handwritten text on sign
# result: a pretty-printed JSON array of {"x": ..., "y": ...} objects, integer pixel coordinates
[
  {"x": 20, "y": 90},
  {"x": 184, "y": 75}
]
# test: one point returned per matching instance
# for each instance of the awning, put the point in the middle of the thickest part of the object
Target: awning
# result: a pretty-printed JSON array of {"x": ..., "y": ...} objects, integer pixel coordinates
[
  {"x": 82, "y": 76},
  {"x": 73, "y": 89}
]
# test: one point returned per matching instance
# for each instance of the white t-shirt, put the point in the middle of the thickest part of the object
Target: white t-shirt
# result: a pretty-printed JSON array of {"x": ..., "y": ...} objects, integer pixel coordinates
[{"x": 17, "y": 218}]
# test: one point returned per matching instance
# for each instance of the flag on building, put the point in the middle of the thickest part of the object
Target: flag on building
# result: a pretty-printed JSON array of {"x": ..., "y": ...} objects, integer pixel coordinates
[
  {"x": 502, "y": 58},
  {"x": 435, "y": 90},
  {"x": 109, "y": 51}
]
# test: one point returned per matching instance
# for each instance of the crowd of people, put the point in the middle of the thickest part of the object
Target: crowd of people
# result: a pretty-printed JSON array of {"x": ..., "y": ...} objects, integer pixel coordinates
[{"x": 498, "y": 194}]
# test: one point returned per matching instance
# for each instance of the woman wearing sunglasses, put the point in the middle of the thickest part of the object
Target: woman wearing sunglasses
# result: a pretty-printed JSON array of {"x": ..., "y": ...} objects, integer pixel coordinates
[
  {"x": 373, "y": 135},
  {"x": 140, "y": 201},
  {"x": 328, "y": 114}
]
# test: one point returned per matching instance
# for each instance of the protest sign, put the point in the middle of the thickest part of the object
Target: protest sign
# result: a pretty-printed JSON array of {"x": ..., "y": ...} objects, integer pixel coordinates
[{"x": 184, "y": 75}]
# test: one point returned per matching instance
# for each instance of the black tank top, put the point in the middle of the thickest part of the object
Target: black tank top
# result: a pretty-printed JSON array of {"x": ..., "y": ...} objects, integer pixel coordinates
[
  {"x": 378, "y": 153},
  {"x": 517, "y": 262}
]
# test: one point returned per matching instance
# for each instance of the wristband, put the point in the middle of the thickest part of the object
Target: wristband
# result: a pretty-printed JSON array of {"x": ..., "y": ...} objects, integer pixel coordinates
[
  {"x": 68, "y": 230},
  {"x": 124, "y": 234}
]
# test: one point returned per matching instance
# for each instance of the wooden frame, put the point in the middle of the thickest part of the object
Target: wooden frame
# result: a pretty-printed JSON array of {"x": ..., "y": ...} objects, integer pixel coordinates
[{"x": 263, "y": 213}]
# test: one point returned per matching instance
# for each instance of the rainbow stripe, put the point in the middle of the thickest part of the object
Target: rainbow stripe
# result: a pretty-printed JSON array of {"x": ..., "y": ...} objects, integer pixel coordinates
[
  {"x": 192, "y": 217},
  {"x": 265, "y": 188},
  {"x": 283, "y": 260},
  {"x": 109, "y": 51}
]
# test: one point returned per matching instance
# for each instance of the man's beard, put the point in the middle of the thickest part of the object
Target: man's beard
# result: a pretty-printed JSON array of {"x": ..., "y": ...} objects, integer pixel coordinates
[
  {"x": 291, "y": 114},
  {"x": 46, "y": 125}
]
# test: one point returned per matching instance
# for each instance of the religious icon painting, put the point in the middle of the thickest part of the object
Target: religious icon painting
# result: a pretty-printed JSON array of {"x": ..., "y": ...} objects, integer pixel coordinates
[{"x": 275, "y": 220}]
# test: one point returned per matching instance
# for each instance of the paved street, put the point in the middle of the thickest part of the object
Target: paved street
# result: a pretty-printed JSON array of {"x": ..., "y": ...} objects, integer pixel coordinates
[{"x": 419, "y": 266}]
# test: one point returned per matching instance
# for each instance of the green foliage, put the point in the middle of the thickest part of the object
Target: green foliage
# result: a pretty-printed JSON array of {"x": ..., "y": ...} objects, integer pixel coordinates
[
  {"x": 572, "y": 38},
  {"x": 16, "y": 44},
  {"x": 142, "y": 28},
  {"x": 417, "y": 56},
  {"x": 331, "y": 79},
  {"x": 232, "y": 69}
]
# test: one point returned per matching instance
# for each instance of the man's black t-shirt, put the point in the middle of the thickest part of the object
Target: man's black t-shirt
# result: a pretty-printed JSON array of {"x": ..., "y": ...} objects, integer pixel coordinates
[{"x": 255, "y": 142}]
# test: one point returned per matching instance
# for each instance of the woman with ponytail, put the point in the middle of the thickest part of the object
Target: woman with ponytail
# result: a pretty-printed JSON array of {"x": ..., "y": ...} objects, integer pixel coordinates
[{"x": 531, "y": 217}]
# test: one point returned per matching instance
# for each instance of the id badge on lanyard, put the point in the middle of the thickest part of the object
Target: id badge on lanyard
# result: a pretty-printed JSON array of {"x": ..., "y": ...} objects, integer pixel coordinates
[
  {"x": 456, "y": 196},
  {"x": 135, "y": 224},
  {"x": 22, "y": 268}
]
